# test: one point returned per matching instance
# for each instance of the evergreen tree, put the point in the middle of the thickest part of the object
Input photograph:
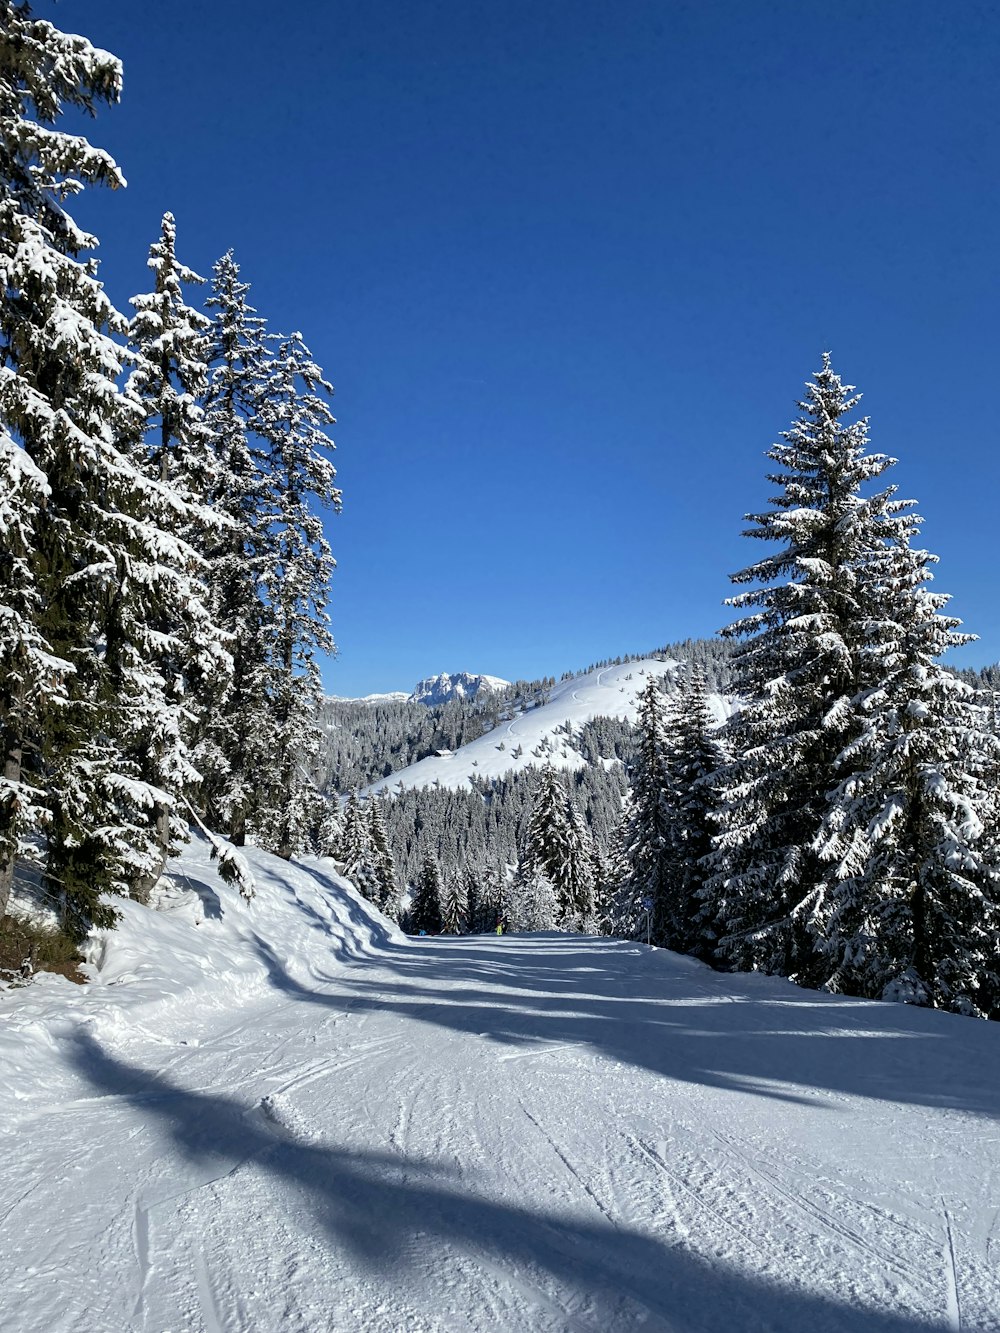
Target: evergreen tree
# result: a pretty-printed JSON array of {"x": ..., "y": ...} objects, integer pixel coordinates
[
  {"x": 180, "y": 644},
  {"x": 801, "y": 662},
  {"x": 425, "y": 910},
  {"x": 234, "y": 746},
  {"x": 75, "y": 608},
  {"x": 329, "y": 830},
  {"x": 579, "y": 894},
  {"x": 913, "y": 912},
  {"x": 554, "y": 855},
  {"x": 692, "y": 758},
  {"x": 26, "y": 665},
  {"x": 383, "y": 869},
  {"x": 455, "y": 908},
  {"x": 354, "y": 849},
  {"x": 646, "y": 828},
  {"x": 292, "y": 415}
]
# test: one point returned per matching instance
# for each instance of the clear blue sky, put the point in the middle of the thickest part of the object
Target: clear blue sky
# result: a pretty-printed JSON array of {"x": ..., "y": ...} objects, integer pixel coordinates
[{"x": 568, "y": 264}]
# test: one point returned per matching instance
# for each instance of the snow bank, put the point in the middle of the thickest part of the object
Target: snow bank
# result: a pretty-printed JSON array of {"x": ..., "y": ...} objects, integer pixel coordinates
[{"x": 196, "y": 949}]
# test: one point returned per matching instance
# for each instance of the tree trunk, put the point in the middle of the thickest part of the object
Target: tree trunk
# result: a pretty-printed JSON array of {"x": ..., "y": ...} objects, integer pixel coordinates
[{"x": 12, "y": 757}]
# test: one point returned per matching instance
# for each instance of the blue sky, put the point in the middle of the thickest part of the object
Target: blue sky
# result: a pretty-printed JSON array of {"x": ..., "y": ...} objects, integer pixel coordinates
[{"x": 568, "y": 264}]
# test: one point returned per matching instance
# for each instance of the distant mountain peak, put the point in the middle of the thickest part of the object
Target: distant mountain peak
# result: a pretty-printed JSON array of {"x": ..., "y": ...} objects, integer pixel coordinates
[{"x": 455, "y": 685}]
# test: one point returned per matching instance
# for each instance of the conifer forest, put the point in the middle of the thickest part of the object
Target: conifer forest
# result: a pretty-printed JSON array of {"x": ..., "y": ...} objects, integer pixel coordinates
[{"x": 166, "y": 475}]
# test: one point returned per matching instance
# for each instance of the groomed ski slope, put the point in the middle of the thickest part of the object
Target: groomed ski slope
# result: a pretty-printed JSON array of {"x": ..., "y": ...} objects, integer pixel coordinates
[{"x": 290, "y": 1117}]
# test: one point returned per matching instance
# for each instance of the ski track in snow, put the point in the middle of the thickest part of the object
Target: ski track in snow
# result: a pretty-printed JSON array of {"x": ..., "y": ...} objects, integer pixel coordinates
[{"x": 291, "y": 1118}]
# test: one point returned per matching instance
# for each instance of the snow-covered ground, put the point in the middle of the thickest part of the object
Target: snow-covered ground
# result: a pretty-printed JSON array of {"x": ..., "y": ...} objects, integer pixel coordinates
[
  {"x": 290, "y": 1117},
  {"x": 538, "y": 736}
]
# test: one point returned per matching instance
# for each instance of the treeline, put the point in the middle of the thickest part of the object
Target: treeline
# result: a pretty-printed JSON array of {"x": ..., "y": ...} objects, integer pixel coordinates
[{"x": 163, "y": 566}]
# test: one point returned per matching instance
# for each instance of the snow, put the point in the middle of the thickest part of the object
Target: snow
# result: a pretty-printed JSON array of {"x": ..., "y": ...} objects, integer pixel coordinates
[
  {"x": 455, "y": 685},
  {"x": 288, "y": 1116},
  {"x": 539, "y": 732}
]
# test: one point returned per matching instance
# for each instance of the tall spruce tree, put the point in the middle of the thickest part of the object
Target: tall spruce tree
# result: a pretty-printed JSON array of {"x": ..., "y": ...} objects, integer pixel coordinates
[
  {"x": 547, "y": 866},
  {"x": 76, "y": 610},
  {"x": 802, "y": 660},
  {"x": 383, "y": 868},
  {"x": 425, "y": 909},
  {"x": 181, "y": 643},
  {"x": 455, "y": 907},
  {"x": 693, "y": 757},
  {"x": 234, "y": 743},
  {"x": 292, "y": 418},
  {"x": 913, "y": 911},
  {"x": 645, "y": 833}
]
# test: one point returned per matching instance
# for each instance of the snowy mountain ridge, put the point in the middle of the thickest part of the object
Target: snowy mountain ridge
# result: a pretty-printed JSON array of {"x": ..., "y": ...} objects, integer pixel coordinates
[{"x": 445, "y": 686}]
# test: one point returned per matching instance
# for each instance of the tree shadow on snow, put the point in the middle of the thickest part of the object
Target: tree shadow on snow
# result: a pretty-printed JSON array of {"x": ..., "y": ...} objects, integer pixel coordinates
[
  {"x": 372, "y": 1207},
  {"x": 667, "y": 1014}
]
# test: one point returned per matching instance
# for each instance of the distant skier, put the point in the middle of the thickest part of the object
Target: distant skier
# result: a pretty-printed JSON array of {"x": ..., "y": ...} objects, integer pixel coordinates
[{"x": 499, "y": 927}]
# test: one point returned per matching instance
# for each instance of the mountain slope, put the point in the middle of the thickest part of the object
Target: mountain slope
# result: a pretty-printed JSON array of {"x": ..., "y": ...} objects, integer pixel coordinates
[
  {"x": 538, "y": 736},
  {"x": 292, "y": 1118}
]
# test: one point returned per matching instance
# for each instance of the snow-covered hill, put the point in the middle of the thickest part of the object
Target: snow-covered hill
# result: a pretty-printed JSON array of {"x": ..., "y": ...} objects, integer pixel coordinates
[
  {"x": 441, "y": 689},
  {"x": 539, "y": 735},
  {"x": 289, "y": 1118}
]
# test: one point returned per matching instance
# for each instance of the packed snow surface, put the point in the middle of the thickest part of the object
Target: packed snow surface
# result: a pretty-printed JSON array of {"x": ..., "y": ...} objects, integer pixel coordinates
[
  {"x": 543, "y": 735},
  {"x": 290, "y": 1117}
]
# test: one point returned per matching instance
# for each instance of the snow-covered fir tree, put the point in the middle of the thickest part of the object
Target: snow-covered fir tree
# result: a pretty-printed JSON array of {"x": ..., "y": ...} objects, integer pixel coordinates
[
  {"x": 292, "y": 418},
  {"x": 383, "y": 870},
  {"x": 556, "y": 853},
  {"x": 913, "y": 910},
  {"x": 641, "y": 903},
  {"x": 75, "y": 609},
  {"x": 181, "y": 646},
  {"x": 802, "y": 660},
  {"x": 693, "y": 757},
  {"x": 234, "y": 739},
  {"x": 354, "y": 850},
  {"x": 486, "y": 898},
  {"x": 425, "y": 908},
  {"x": 329, "y": 829},
  {"x": 455, "y": 907},
  {"x": 579, "y": 913}
]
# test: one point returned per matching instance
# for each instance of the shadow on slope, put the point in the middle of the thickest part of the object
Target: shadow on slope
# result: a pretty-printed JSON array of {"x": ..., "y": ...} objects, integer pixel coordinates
[
  {"x": 586, "y": 1277},
  {"x": 667, "y": 1014}
]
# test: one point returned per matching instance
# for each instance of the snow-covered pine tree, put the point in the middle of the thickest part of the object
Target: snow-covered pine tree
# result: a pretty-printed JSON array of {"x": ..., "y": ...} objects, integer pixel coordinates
[
  {"x": 645, "y": 832},
  {"x": 383, "y": 868},
  {"x": 355, "y": 849},
  {"x": 76, "y": 606},
  {"x": 329, "y": 829},
  {"x": 182, "y": 647},
  {"x": 692, "y": 758},
  {"x": 552, "y": 854},
  {"x": 425, "y": 909},
  {"x": 234, "y": 742},
  {"x": 27, "y": 670},
  {"x": 801, "y": 662},
  {"x": 913, "y": 912},
  {"x": 579, "y": 912},
  {"x": 489, "y": 897},
  {"x": 292, "y": 417},
  {"x": 455, "y": 907}
]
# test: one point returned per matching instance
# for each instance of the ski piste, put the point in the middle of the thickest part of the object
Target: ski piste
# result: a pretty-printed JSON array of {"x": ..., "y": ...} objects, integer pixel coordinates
[{"x": 290, "y": 1116}]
